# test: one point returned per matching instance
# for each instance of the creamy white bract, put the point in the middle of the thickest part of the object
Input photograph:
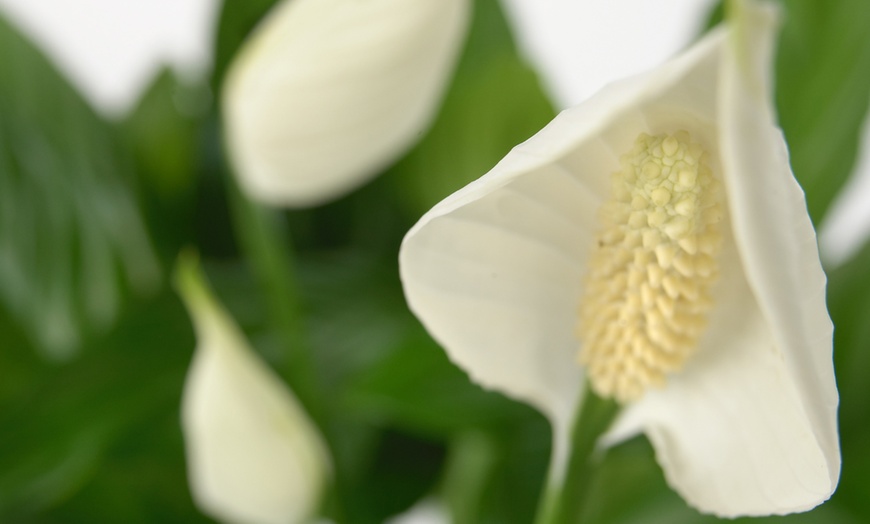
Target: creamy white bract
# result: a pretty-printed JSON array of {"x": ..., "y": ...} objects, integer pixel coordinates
[
  {"x": 327, "y": 93},
  {"x": 712, "y": 330},
  {"x": 253, "y": 454}
]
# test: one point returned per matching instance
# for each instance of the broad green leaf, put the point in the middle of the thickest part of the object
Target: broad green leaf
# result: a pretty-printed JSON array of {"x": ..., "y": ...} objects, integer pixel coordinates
[
  {"x": 849, "y": 304},
  {"x": 517, "y": 479},
  {"x": 21, "y": 366},
  {"x": 823, "y": 91},
  {"x": 141, "y": 480},
  {"x": 70, "y": 229},
  {"x": 403, "y": 468},
  {"x": 87, "y": 423},
  {"x": 167, "y": 134},
  {"x": 162, "y": 132},
  {"x": 376, "y": 360}
]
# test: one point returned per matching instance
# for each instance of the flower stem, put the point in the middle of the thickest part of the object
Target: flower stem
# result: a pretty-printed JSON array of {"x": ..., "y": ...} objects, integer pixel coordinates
[
  {"x": 566, "y": 503},
  {"x": 471, "y": 463},
  {"x": 267, "y": 248},
  {"x": 265, "y": 245}
]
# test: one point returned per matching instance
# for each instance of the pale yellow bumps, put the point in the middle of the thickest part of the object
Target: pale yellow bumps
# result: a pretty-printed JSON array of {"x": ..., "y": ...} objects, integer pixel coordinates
[{"x": 647, "y": 293}]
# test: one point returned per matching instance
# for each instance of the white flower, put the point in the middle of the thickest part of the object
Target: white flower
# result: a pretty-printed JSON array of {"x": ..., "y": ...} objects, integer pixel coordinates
[
  {"x": 329, "y": 92},
  {"x": 253, "y": 455},
  {"x": 562, "y": 252}
]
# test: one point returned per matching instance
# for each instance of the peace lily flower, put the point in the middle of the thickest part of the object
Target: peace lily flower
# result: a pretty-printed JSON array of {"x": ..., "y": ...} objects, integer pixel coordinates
[
  {"x": 653, "y": 244},
  {"x": 327, "y": 93},
  {"x": 254, "y": 456}
]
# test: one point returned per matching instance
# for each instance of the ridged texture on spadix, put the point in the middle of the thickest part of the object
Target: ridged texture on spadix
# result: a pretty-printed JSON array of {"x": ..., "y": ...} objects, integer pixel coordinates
[
  {"x": 327, "y": 93},
  {"x": 647, "y": 293},
  {"x": 253, "y": 455}
]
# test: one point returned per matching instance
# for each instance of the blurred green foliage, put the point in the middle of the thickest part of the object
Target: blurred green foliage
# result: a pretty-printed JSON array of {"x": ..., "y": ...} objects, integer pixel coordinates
[
  {"x": 823, "y": 81},
  {"x": 90, "y": 209},
  {"x": 70, "y": 229}
]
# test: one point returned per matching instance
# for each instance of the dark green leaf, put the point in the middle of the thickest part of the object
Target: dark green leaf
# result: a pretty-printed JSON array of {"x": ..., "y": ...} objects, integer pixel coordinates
[
  {"x": 162, "y": 132},
  {"x": 516, "y": 481},
  {"x": 823, "y": 90},
  {"x": 849, "y": 304},
  {"x": 70, "y": 229},
  {"x": 62, "y": 430}
]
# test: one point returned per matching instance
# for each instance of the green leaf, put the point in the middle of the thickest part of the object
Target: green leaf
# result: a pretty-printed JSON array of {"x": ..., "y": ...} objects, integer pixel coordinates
[
  {"x": 61, "y": 428},
  {"x": 167, "y": 134},
  {"x": 374, "y": 358},
  {"x": 141, "y": 480},
  {"x": 849, "y": 304},
  {"x": 403, "y": 468},
  {"x": 162, "y": 132},
  {"x": 823, "y": 91},
  {"x": 517, "y": 479},
  {"x": 70, "y": 230}
]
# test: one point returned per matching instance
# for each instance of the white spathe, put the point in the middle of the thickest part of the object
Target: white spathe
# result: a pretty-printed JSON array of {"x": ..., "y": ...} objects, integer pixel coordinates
[
  {"x": 495, "y": 273},
  {"x": 253, "y": 455},
  {"x": 327, "y": 93}
]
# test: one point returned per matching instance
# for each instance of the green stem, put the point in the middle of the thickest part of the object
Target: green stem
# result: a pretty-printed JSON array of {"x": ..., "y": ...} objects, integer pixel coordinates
[
  {"x": 471, "y": 463},
  {"x": 565, "y": 503},
  {"x": 265, "y": 244}
]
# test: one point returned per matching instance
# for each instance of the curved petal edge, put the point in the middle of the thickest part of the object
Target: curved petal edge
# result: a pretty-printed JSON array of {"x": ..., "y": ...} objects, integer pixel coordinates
[
  {"x": 253, "y": 454},
  {"x": 327, "y": 93}
]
